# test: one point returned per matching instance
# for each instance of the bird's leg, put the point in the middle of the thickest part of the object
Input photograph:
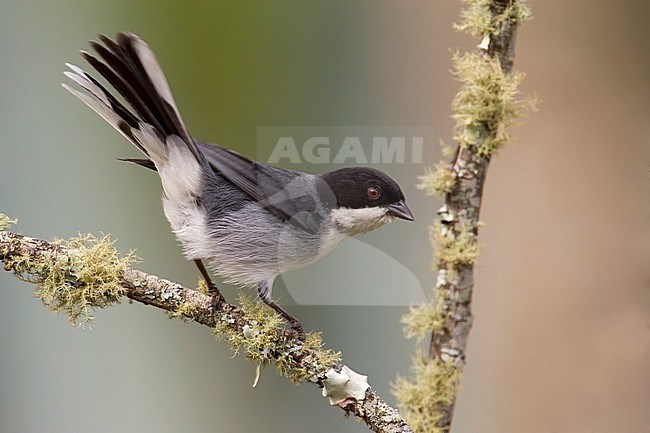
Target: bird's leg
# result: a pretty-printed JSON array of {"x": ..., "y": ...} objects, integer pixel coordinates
[
  {"x": 216, "y": 297},
  {"x": 264, "y": 291}
]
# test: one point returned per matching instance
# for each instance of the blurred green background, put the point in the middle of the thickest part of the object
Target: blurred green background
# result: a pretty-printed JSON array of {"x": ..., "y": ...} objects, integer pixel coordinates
[{"x": 560, "y": 341}]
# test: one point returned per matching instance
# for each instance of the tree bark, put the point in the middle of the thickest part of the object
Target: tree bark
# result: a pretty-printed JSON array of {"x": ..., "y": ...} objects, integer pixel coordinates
[{"x": 462, "y": 206}]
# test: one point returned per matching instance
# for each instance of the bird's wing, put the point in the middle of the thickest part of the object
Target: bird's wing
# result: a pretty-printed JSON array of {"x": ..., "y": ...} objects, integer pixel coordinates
[{"x": 279, "y": 191}]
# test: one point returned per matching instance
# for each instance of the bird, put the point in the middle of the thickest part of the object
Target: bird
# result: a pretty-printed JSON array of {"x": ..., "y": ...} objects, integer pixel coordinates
[{"x": 250, "y": 221}]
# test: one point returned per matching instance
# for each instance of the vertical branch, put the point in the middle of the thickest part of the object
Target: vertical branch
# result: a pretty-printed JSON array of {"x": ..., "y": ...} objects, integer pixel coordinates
[
  {"x": 484, "y": 107},
  {"x": 455, "y": 280}
]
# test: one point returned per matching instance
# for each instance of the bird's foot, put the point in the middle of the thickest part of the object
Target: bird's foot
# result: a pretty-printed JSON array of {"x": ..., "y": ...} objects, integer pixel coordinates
[
  {"x": 296, "y": 331},
  {"x": 216, "y": 298}
]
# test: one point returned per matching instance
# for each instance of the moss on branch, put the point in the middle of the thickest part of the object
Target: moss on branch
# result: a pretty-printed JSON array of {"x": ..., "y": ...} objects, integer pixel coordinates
[
  {"x": 487, "y": 103},
  {"x": 418, "y": 403},
  {"x": 6, "y": 222},
  {"x": 437, "y": 181},
  {"x": 262, "y": 340},
  {"x": 478, "y": 17},
  {"x": 86, "y": 275}
]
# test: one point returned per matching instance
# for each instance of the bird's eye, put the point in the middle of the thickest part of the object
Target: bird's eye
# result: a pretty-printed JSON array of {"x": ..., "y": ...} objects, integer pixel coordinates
[{"x": 373, "y": 193}]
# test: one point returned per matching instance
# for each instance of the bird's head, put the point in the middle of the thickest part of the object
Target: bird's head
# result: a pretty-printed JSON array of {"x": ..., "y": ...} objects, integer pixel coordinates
[{"x": 363, "y": 199}]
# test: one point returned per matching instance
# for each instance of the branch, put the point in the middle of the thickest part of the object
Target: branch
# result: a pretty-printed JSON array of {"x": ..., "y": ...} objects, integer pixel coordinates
[
  {"x": 484, "y": 107},
  {"x": 75, "y": 267},
  {"x": 460, "y": 213}
]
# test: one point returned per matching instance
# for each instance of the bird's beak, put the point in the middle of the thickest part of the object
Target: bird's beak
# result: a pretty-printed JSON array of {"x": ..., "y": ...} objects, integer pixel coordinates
[{"x": 401, "y": 210}]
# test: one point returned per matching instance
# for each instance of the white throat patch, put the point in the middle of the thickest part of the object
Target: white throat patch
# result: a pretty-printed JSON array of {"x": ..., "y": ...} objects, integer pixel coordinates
[{"x": 363, "y": 220}]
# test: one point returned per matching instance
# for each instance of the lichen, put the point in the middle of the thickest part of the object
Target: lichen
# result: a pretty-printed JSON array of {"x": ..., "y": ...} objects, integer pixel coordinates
[
  {"x": 478, "y": 18},
  {"x": 426, "y": 318},
  {"x": 343, "y": 386},
  {"x": 434, "y": 386},
  {"x": 487, "y": 103},
  {"x": 439, "y": 181},
  {"x": 86, "y": 275},
  {"x": 203, "y": 287},
  {"x": 435, "y": 383},
  {"x": 263, "y": 340},
  {"x": 455, "y": 248},
  {"x": 315, "y": 360},
  {"x": 6, "y": 222},
  {"x": 266, "y": 324},
  {"x": 185, "y": 311}
]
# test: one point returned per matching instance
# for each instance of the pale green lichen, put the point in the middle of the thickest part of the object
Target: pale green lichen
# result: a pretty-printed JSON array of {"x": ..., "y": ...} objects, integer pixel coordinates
[
  {"x": 434, "y": 386},
  {"x": 267, "y": 325},
  {"x": 315, "y": 360},
  {"x": 439, "y": 181},
  {"x": 455, "y": 248},
  {"x": 423, "y": 319},
  {"x": 262, "y": 340},
  {"x": 185, "y": 311},
  {"x": 517, "y": 12},
  {"x": 86, "y": 275},
  {"x": 487, "y": 103},
  {"x": 478, "y": 19},
  {"x": 435, "y": 383},
  {"x": 203, "y": 287},
  {"x": 6, "y": 222}
]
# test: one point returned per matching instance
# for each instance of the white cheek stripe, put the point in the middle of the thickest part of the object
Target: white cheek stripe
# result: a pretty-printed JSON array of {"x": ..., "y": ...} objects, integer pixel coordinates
[{"x": 353, "y": 221}]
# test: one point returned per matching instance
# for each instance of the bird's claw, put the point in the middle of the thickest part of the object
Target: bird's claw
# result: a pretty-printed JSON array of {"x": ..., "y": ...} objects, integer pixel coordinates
[
  {"x": 216, "y": 298},
  {"x": 296, "y": 331}
]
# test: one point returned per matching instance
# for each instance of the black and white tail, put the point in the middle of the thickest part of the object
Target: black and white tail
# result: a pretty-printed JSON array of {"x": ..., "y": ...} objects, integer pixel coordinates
[
  {"x": 131, "y": 68},
  {"x": 152, "y": 123}
]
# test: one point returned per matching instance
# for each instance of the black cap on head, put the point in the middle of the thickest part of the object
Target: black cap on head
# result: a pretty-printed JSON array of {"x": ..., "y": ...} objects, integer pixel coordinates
[{"x": 361, "y": 187}]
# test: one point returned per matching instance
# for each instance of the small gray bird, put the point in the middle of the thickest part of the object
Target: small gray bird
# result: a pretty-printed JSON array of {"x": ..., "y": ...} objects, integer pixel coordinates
[{"x": 250, "y": 221}]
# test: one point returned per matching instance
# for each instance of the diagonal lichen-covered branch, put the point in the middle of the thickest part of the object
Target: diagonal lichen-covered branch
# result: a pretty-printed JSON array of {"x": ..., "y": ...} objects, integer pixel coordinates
[
  {"x": 487, "y": 103},
  {"x": 85, "y": 273}
]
